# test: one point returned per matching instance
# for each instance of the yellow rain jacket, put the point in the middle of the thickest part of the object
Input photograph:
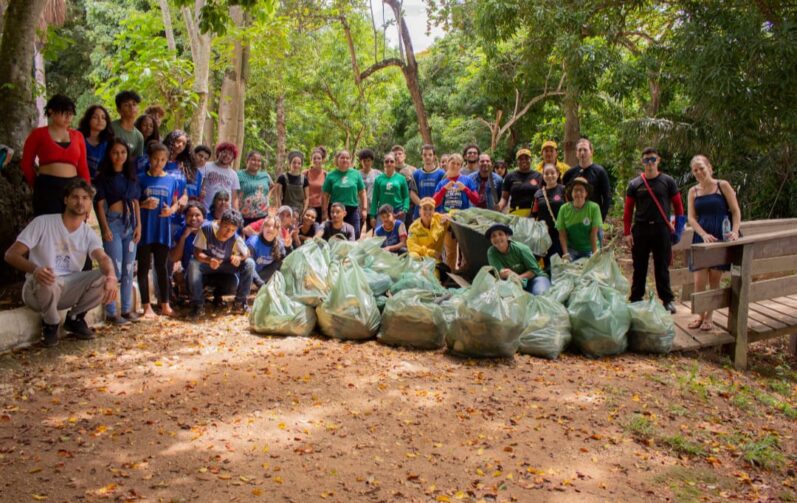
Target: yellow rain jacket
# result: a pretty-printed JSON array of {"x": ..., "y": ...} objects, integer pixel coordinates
[
  {"x": 427, "y": 242},
  {"x": 562, "y": 167}
]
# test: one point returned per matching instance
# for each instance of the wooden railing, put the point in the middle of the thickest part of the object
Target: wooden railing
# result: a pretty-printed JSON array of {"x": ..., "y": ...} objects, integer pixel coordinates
[{"x": 768, "y": 252}]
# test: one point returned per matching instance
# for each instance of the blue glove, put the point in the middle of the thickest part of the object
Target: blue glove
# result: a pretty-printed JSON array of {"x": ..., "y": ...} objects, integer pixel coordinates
[{"x": 680, "y": 223}]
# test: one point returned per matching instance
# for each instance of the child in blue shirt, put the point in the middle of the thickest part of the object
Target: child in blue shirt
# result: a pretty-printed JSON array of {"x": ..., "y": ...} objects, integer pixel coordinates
[
  {"x": 158, "y": 204},
  {"x": 395, "y": 234}
]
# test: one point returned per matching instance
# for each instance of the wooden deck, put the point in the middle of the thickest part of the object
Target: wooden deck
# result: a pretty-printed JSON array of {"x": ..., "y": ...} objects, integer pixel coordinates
[{"x": 767, "y": 318}]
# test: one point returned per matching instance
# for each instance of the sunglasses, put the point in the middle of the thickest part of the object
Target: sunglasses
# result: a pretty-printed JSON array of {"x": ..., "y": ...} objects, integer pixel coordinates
[{"x": 649, "y": 160}]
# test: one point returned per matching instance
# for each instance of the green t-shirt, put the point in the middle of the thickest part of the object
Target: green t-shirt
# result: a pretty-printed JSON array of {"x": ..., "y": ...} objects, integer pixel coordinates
[
  {"x": 254, "y": 193},
  {"x": 390, "y": 190},
  {"x": 518, "y": 258},
  {"x": 134, "y": 138},
  {"x": 343, "y": 187},
  {"x": 578, "y": 224}
]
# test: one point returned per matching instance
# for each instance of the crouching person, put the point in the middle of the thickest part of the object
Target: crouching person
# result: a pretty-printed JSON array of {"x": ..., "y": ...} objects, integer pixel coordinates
[
  {"x": 56, "y": 247},
  {"x": 513, "y": 258},
  {"x": 221, "y": 260}
]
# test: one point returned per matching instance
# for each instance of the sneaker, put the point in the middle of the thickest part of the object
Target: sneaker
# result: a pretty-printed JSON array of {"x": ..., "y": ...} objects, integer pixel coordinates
[
  {"x": 49, "y": 335},
  {"x": 116, "y": 320},
  {"x": 669, "y": 306},
  {"x": 239, "y": 308},
  {"x": 196, "y": 312},
  {"x": 131, "y": 316},
  {"x": 78, "y": 327}
]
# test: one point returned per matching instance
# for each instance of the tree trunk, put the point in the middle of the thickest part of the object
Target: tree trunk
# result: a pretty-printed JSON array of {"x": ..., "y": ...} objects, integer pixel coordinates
[
  {"x": 200, "y": 54},
  {"x": 41, "y": 82},
  {"x": 572, "y": 125},
  {"x": 233, "y": 91},
  {"x": 16, "y": 71},
  {"x": 282, "y": 135},
  {"x": 410, "y": 70},
  {"x": 167, "y": 24}
]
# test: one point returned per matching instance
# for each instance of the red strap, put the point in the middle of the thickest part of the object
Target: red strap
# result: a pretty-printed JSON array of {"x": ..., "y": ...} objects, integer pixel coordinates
[{"x": 658, "y": 204}]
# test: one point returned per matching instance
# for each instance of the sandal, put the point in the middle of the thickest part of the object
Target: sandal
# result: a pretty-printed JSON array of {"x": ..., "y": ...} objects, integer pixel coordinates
[
  {"x": 695, "y": 323},
  {"x": 706, "y": 326}
]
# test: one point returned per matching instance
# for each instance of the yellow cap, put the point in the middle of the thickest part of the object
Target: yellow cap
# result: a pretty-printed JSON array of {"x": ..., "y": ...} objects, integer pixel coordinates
[
  {"x": 549, "y": 143},
  {"x": 523, "y": 151}
]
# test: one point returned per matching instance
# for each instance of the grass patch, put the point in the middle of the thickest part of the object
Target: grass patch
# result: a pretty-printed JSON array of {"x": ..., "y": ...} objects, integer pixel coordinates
[
  {"x": 691, "y": 383},
  {"x": 742, "y": 401},
  {"x": 764, "y": 453},
  {"x": 639, "y": 426},
  {"x": 694, "y": 483},
  {"x": 782, "y": 388},
  {"x": 776, "y": 404},
  {"x": 678, "y": 410},
  {"x": 683, "y": 446}
]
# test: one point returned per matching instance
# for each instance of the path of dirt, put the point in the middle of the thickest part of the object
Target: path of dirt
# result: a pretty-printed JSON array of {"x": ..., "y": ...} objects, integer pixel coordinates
[{"x": 209, "y": 412}]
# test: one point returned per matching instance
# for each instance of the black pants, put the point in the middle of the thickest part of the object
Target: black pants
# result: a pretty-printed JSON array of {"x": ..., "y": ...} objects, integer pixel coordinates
[
  {"x": 144, "y": 257},
  {"x": 651, "y": 238}
]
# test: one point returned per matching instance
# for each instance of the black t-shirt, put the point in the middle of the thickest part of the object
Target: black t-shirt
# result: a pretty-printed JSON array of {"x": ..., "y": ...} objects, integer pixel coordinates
[
  {"x": 346, "y": 231},
  {"x": 556, "y": 198},
  {"x": 598, "y": 179},
  {"x": 522, "y": 187},
  {"x": 646, "y": 211}
]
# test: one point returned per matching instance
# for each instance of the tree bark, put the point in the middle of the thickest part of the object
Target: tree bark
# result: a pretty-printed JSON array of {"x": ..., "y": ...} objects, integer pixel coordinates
[
  {"x": 41, "y": 82},
  {"x": 282, "y": 135},
  {"x": 16, "y": 71},
  {"x": 572, "y": 125},
  {"x": 233, "y": 91},
  {"x": 167, "y": 24},
  {"x": 200, "y": 54}
]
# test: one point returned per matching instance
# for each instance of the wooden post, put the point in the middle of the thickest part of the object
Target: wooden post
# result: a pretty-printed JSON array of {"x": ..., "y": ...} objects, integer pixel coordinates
[
  {"x": 740, "y": 300},
  {"x": 793, "y": 344}
]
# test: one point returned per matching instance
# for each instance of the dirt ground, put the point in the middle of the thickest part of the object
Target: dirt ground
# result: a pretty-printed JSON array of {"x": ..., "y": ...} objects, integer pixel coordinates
[{"x": 170, "y": 411}]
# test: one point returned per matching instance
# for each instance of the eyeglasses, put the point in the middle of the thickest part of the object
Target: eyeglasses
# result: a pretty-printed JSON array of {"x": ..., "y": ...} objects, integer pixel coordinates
[{"x": 649, "y": 160}]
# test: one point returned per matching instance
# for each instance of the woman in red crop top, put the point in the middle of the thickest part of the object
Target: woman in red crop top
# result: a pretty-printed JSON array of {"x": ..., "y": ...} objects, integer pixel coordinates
[{"x": 61, "y": 155}]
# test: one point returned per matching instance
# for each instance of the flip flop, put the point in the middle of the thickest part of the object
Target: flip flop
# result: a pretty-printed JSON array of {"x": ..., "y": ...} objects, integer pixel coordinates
[
  {"x": 695, "y": 323},
  {"x": 706, "y": 326}
]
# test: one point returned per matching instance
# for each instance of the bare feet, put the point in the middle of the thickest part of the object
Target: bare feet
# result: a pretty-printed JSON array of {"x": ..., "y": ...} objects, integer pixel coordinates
[
  {"x": 706, "y": 326},
  {"x": 166, "y": 310},
  {"x": 695, "y": 323},
  {"x": 149, "y": 314}
]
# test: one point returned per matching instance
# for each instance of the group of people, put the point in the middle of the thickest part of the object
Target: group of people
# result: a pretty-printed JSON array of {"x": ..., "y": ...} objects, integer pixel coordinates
[{"x": 184, "y": 217}]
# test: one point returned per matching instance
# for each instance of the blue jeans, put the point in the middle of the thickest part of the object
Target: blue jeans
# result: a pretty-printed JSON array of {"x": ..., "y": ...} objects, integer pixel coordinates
[
  {"x": 353, "y": 217},
  {"x": 224, "y": 280},
  {"x": 537, "y": 285},
  {"x": 575, "y": 254},
  {"x": 122, "y": 251}
]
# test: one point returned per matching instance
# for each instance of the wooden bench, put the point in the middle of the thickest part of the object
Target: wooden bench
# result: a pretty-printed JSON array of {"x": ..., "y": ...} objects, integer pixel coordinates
[{"x": 750, "y": 309}]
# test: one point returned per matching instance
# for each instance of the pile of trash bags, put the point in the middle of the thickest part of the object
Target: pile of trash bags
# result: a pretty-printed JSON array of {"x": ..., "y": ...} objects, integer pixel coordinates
[
  {"x": 533, "y": 233},
  {"x": 357, "y": 291}
]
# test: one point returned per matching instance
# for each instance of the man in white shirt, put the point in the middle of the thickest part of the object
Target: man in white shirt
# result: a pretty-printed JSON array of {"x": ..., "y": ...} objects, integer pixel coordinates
[{"x": 51, "y": 251}]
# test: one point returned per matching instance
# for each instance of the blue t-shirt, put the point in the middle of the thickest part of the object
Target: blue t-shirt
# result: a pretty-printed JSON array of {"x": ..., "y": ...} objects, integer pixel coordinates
[
  {"x": 207, "y": 241},
  {"x": 183, "y": 185},
  {"x": 392, "y": 237},
  {"x": 94, "y": 156},
  {"x": 188, "y": 247},
  {"x": 142, "y": 166},
  {"x": 455, "y": 199},
  {"x": 261, "y": 250},
  {"x": 154, "y": 228},
  {"x": 427, "y": 183}
]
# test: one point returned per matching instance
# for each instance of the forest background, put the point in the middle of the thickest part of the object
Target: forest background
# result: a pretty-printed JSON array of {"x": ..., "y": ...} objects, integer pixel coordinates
[{"x": 716, "y": 77}]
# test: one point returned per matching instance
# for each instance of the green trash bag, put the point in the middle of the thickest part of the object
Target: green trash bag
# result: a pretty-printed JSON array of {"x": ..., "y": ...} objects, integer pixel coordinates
[
  {"x": 413, "y": 318},
  {"x": 602, "y": 267},
  {"x": 417, "y": 281},
  {"x": 560, "y": 268},
  {"x": 349, "y": 311},
  {"x": 547, "y": 332},
  {"x": 339, "y": 247},
  {"x": 273, "y": 312},
  {"x": 419, "y": 265},
  {"x": 369, "y": 254},
  {"x": 489, "y": 319},
  {"x": 306, "y": 270},
  {"x": 377, "y": 281},
  {"x": 600, "y": 319},
  {"x": 380, "y": 302},
  {"x": 560, "y": 290},
  {"x": 652, "y": 327}
]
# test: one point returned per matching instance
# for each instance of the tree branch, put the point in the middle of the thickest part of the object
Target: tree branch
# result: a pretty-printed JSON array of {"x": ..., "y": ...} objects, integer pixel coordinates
[{"x": 380, "y": 65}]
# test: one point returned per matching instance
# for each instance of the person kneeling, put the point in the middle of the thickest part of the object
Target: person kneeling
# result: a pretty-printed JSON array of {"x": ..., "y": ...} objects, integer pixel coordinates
[
  {"x": 395, "y": 234},
  {"x": 511, "y": 258},
  {"x": 221, "y": 260},
  {"x": 56, "y": 246}
]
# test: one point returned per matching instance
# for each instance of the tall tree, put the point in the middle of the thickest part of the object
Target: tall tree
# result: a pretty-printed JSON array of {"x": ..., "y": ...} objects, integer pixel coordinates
[
  {"x": 233, "y": 88},
  {"x": 200, "y": 41}
]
